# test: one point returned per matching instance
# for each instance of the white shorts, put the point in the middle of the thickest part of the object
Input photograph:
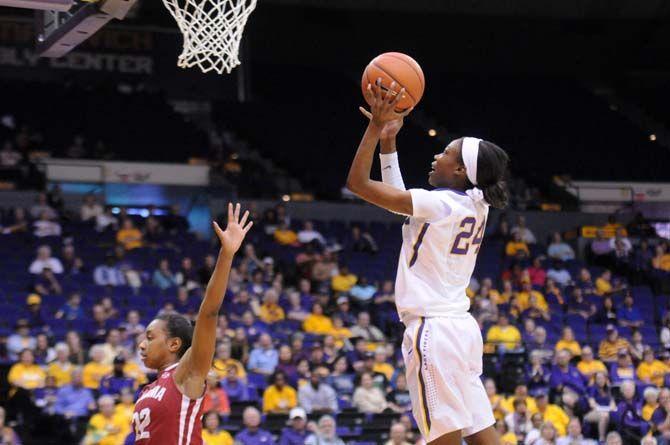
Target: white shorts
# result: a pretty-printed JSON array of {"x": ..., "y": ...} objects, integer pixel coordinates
[{"x": 443, "y": 359}]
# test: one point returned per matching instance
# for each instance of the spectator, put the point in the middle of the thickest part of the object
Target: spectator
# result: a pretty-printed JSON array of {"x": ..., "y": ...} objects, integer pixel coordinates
[
  {"x": 341, "y": 379},
  {"x": 71, "y": 310},
  {"x": 539, "y": 343},
  {"x": 112, "y": 384},
  {"x": 551, "y": 413},
  {"x": 284, "y": 236},
  {"x": 518, "y": 421},
  {"x": 163, "y": 276},
  {"x": 621, "y": 238},
  {"x": 235, "y": 387},
  {"x": 72, "y": 264},
  {"x": 174, "y": 222},
  {"x": 397, "y": 435},
  {"x": 61, "y": 367},
  {"x": 578, "y": 305},
  {"x": 600, "y": 246},
  {"x": 106, "y": 427},
  {"x": 368, "y": 398},
  {"x": 537, "y": 309},
  {"x": 503, "y": 336},
  {"x": 362, "y": 241},
  {"x": 524, "y": 232},
  {"x": 215, "y": 399},
  {"x": 610, "y": 346},
  {"x": 567, "y": 382},
  {"x": 650, "y": 370},
  {"x": 607, "y": 313},
  {"x": 207, "y": 269},
  {"x": 585, "y": 283},
  {"x": 129, "y": 236},
  {"x": 279, "y": 397},
  {"x": 253, "y": 434},
  {"x": 628, "y": 315},
  {"x": 26, "y": 374},
  {"x": 45, "y": 226},
  {"x": 343, "y": 280},
  {"x": 344, "y": 311},
  {"x": 588, "y": 366},
  {"x": 310, "y": 236},
  {"x": 43, "y": 352},
  {"x": 559, "y": 249},
  {"x": 661, "y": 259},
  {"x": 630, "y": 422},
  {"x": 264, "y": 358},
  {"x": 496, "y": 400},
  {"x": 506, "y": 437},
  {"x": 316, "y": 396},
  {"x": 559, "y": 274},
  {"x": 45, "y": 260},
  {"x": 20, "y": 339},
  {"x": 74, "y": 401},
  {"x": 106, "y": 220},
  {"x": 7, "y": 434},
  {"x": 317, "y": 322},
  {"x": 536, "y": 273},
  {"x": 537, "y": 374},
  {"x": 399, "y": 399},
  {"x": 622, "y": 369},
  {"x": 613, "y": 438},
  {"x": 296, "y": 432},
  {"x": 77, "y": 354},
  {"x": 569, "y": 343},
  {"x": 650, "y": 396},
  {"x": 365, "y": 330},
  {"x": 18, "y": 224},
  {"x": 187, "y": 276},
  {"x": 46, "y": 283},
  {"x": 90, "y": 209},
  {"x": 601, "y": 404},
  {"x": 153, "y": 232},
  {"x": 270, "y": 311},
  {"x": 363, "y": 292},
  {"x": 604, "y": 284},
  {"x": 211, "y": 433},
  {"x": 660, "y": 419},
  {"x": 42, "y": 207},
  {"x": 516, "y": 247},
  {"x": 96, "y": 369},
  {"x": 326, "y": 433},
  {"x": 548, "y": 434}
]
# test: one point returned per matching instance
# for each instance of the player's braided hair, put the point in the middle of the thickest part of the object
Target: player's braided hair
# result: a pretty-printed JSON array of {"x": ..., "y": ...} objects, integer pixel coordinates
[{"x": 178, "y": 326}]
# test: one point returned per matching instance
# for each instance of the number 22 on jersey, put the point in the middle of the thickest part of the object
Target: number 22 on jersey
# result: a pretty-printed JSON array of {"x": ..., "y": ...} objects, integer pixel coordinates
[
  {"x": 141, "y": 421},
  {"x": 462, "y": 241}
]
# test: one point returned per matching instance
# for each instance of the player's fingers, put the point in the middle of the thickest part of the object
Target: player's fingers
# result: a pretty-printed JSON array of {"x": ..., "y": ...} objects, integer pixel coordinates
[
  {"x": 369, "y": 94},
  {"x": 398, "y": 96},
  {"x": 390, "y": 93},
  {"x": 406, "y": 112},
  {"x": 243, "y": 221},
  {"x": 237, "y": 211},
  {"x": 365, "y": 112},
  {"x": 378, "y": 90},
  {"x": 216, "y": 227},
  {"x": 248, "y": 227},
  {"x": 230, "y": 212}
]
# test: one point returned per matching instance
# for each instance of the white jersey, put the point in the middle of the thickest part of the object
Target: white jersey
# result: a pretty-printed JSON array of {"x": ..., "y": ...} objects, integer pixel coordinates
[{"x": 440, "y": 243}]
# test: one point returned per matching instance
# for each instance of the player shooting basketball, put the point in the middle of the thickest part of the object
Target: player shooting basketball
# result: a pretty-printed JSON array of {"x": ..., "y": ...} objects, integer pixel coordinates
[{"x": 442, "y": 346}]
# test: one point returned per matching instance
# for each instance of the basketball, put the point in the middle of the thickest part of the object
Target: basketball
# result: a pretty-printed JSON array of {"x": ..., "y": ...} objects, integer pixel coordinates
[{"x": 400, "y": 68}]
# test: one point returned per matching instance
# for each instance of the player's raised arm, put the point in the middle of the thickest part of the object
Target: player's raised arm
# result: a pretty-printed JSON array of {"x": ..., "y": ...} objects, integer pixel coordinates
[
  {"x": 359, "y": 182},
  {"x": 197, "y": 361}
]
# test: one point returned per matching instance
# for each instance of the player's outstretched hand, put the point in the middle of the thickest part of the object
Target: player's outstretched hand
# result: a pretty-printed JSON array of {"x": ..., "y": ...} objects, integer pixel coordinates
[
  {"x": 231, "y": 238},
  {"x": 383, "y": 104},
  {"x": 391, "y": 128}
]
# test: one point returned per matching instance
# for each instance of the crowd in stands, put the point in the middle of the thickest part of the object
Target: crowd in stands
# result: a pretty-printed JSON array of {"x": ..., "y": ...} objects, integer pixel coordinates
[{"x": 308, "y": 344}]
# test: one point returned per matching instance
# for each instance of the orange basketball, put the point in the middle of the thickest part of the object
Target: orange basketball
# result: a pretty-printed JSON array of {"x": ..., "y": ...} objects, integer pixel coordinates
[{"x": 400, "y": 68}]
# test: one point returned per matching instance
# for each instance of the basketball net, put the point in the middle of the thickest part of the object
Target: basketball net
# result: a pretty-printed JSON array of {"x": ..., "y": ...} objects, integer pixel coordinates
[{"x": 212, "y": 32}]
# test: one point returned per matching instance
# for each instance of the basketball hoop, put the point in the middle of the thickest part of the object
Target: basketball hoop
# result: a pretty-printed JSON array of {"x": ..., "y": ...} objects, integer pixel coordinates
[{"x": 212, "y": 32}]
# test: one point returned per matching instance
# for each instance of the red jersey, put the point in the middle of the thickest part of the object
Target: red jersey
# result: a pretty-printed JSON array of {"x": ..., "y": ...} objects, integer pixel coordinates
[{"x": 164, "y": 416}]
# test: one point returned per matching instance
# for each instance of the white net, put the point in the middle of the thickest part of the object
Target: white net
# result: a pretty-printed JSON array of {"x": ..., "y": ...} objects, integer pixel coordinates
[{"x": 212, "y": 31}]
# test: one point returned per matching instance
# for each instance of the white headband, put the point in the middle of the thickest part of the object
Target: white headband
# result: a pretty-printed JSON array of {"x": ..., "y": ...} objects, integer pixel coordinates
[{"x": 469, "y": 153}]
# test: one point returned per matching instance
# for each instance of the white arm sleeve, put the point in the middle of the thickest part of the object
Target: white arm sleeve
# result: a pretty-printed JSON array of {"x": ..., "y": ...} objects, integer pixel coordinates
[
  {"x": 429, "y": 205},
  {"x": 391, "y": 170}
]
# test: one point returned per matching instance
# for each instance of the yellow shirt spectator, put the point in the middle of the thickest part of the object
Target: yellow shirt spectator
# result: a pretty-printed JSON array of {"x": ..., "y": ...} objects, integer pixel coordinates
[
  {"x": 60, "y": 372},
  {"x": 221, "y": 368},
  {"x": 129, "y": 236},
  {"x": 125, "y": 411},
  {"x": 277, "y": 400},
  {"x": 340, "y": 335},
  {"x": 498, "y": 414},
  {"x": 271, "y": 313},
  {"x": 384, "y": 368},
  {"x": 133, "y": 370},
  {"x": 514, "y": 247},
  {"x": 603, "y": 286},
  {"x": 93, "y": 372},
  {"x": 507, "y": 336},
  {"x": 26, "y": 376},
  {"x": 590, "y": 368},
  {"x": 648, "y": 411},
  {"x": 571, "y": 346},
  {"x": 107, "y": 430},
  {"x": 523, "y": 300},
  {"x": 509, "y": 438},
  {"x": 221, "y": 437},
  {"x": 317, "y": 324},
  {"x": 285, "y": 237},
  {"x": 508, "y": 404},
  {"x": 662, "y": 262},
  {"x": 556, "y": 415},
  {"x": 607, "y": 351},
  {"x": 654, "y": 372},
  {"x": 344, "y": 281}
]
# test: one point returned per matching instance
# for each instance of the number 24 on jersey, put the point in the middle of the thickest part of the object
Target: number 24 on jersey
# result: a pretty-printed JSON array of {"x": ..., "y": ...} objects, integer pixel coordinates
[{"x": 462, "y": 241}]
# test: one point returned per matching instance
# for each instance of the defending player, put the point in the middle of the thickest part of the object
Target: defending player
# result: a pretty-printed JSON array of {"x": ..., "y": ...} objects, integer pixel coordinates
[
  {"x": 169, "y": 410},
  {"x": 442, "y": 346}
]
